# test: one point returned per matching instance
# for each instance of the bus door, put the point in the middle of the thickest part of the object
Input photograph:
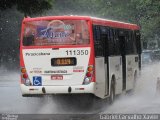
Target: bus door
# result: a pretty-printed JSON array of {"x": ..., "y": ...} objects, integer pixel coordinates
[
  {"x": 122, "y": 46},
  {"x": 100, "y": 38},
  {"x": 104, "y": 38}
]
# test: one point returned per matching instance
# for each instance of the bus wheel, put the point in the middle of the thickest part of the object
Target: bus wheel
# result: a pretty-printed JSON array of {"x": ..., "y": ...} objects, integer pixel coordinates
[{"x": 112, "y": 93}]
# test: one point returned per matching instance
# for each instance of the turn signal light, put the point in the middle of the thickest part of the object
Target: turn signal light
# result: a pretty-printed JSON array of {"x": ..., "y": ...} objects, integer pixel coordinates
[
  {"x": 23, "y": 70},
  {"x": 90, "y": 68}
]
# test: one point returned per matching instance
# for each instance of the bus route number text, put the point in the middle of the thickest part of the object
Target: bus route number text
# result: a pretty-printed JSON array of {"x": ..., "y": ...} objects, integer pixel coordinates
[{"x": 77, "y": 52}]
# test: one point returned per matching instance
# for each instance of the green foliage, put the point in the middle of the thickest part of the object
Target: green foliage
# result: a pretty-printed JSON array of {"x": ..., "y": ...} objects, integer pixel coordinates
[
  {"x": 149, "y": 17},
  {"x": 145, "y": 13},
  {"x": 4, "y": 4},
  {"x": 28, "y": 7}
]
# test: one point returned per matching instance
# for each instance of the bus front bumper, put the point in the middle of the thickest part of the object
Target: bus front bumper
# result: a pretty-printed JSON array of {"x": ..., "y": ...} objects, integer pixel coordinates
[{"x": 40, "y": 90}]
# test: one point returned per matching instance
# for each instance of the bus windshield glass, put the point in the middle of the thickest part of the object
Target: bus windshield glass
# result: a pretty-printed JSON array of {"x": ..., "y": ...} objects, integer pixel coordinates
[{"x": 56, "y": 32}]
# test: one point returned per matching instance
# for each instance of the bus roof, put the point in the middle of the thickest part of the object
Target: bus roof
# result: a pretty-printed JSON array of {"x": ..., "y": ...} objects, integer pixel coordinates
[
  {"x": 97, "y": 21},
  {"x": 113, "y": 23}
]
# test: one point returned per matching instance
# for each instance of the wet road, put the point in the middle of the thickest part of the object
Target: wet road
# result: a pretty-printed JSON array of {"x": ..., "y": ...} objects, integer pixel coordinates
[
  {"x": 144, "y": 100},
  {"x": 11, "y": 100}
]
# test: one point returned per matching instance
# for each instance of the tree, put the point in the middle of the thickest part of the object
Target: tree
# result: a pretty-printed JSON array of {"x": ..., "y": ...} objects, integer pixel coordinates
[
  {"x": 9, "y": 32},
  {"x": 28, "y": 7},
  {"x": 145, "y": 13}
]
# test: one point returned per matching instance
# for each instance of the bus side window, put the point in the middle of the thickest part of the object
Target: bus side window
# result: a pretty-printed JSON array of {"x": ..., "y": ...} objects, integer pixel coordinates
[
  {"x": 130, "y": 43},
  {"x": 138, "y": 42},
  {"x": 134, "y": 42},
  {"x": 96, "y": 33},
  {"x": 97, "y": 41},
  {"x": 104, "y": 39},
  {"x": 122, "y": 39},
  {"x": 111, "y": 42},
  {"x": 116, "y": 42}
]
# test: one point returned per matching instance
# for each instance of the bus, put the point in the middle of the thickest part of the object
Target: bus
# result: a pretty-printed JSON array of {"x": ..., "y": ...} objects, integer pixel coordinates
[{"x": 78, "y": 55}]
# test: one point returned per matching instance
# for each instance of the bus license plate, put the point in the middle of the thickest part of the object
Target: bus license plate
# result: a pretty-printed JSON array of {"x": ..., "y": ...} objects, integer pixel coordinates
[{"x": 57, "y": 77}]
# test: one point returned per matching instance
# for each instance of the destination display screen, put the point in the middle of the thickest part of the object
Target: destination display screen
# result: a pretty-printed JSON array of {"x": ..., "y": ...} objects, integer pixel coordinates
[{"x": 69, "y": 61}]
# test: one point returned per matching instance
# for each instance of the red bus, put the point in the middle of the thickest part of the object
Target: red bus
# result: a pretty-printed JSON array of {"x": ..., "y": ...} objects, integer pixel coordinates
[{"x": 78, "y": 55}]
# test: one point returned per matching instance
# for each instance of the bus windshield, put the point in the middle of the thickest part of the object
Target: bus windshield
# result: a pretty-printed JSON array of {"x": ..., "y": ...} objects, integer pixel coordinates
[{"x": 56, "y": 32}]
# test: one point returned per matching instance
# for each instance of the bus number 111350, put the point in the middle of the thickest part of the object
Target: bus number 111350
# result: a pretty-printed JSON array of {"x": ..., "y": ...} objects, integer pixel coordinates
[{"x": 77, "y": 52}]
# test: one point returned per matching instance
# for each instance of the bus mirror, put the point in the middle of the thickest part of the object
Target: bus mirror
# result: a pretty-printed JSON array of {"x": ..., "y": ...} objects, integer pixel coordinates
[{"x": 28, "y": 40}]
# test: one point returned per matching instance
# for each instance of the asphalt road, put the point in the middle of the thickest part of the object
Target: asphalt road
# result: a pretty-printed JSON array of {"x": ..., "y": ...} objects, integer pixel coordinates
[{"x": 145, "y": 100}]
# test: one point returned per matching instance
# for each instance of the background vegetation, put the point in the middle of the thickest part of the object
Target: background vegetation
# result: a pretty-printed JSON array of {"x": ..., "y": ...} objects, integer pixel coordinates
[{"x": 145, "y": 13}]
